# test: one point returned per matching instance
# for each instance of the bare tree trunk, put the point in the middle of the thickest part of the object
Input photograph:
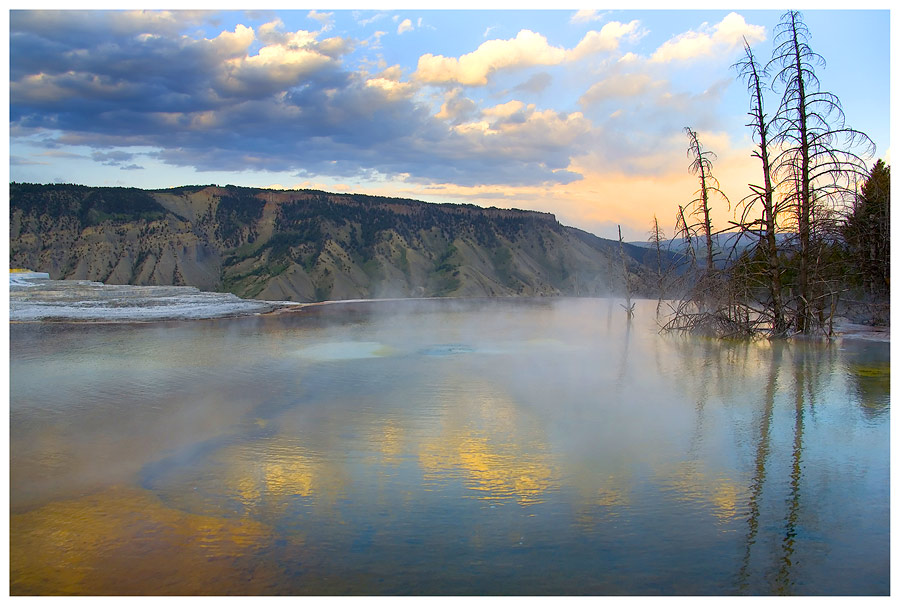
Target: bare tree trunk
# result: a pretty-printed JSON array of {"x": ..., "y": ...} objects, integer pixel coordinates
[
  {"x": 751, "y": 71},
  {"x": 701, "y": 166},
  {"x": 629, "y": 305},
  {"x": 805, "y": 202}
]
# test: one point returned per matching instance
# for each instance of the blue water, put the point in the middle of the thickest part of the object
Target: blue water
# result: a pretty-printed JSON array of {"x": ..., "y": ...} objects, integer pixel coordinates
[{"x": 445, "y": 447}]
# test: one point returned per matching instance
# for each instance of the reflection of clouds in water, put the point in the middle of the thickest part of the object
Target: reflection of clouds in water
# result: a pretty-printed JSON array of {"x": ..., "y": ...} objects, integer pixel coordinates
[
  {"x": 263, "y": 479},
  {"x": 126, "y": 541},
  {"x": 500, "y": 450},
  {"x": 374, "y": 456},
  {"x": 692, "y": 485}
]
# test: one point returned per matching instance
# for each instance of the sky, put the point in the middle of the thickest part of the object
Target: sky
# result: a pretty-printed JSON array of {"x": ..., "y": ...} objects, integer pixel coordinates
[{"x": 577, "y": 113}]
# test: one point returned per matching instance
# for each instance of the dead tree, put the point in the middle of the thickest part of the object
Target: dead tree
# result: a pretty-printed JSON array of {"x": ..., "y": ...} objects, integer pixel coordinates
[
  {"x": 816, "y": 164},
  {"x": 701, "y": 166},
  {"x": 629, "y": 306},
  {"x": 656, "y": 238},
  {"x": 765, "y": 223}
]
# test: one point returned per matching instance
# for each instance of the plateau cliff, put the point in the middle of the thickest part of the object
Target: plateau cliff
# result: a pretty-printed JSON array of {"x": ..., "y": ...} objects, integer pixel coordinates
[{"x": 305, "y": 245}]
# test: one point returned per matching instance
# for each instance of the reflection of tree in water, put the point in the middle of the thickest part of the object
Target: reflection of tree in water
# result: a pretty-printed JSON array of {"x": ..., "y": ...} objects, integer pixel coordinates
[
  {"x": 810, "y": 368},
  {"x": 783, "y": 581},
  {"x": 623, "y": 364},
  {"x": 759, "y": 467},
  {"x": 790, "y": 380}
]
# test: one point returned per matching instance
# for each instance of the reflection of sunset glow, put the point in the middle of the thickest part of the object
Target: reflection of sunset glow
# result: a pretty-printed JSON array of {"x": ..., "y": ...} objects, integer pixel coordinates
[
  {"x": 388, "y": 440},
  {"x": 599, "y": 496},
  {"x": 281, "y": 471},
  {"x": 125, "y": 541},
  {"x": 485, "y": 440},
  {"x": 692, "y": 485}
]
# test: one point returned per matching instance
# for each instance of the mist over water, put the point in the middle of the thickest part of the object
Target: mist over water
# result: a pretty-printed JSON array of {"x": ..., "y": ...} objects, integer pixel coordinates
[{"x": 444, "y": 447}]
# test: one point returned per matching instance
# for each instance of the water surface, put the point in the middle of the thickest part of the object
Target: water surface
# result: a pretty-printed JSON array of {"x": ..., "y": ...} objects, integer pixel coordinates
[{"x": 444, "y": 447}]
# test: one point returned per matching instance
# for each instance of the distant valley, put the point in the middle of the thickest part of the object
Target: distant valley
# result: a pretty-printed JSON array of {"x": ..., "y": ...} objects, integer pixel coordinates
[{"x": 305, "y": 245}]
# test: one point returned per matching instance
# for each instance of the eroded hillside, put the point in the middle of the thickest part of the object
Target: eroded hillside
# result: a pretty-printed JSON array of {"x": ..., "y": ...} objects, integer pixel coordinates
[{"x": 306, "y": 245}]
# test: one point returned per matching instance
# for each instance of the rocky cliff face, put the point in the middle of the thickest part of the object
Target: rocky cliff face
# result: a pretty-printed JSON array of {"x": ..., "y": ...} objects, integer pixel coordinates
[{"x": 306, "y": 245}]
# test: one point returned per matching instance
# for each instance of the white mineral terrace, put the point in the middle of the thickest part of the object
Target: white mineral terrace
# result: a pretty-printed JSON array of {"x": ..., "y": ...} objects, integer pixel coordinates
[{"x": 34, "y": 297}]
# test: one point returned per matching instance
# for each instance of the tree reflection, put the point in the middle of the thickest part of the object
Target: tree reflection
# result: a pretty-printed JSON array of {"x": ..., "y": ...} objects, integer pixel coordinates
[
  {"x": 759, "y": 468},
  {"x": 783, "y": 581},
  {"x": 809, "y": 368}
]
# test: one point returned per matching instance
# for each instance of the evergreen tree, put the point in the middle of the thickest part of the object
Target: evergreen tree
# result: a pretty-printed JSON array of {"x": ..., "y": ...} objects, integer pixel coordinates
[{"x": 867, "y": 231}]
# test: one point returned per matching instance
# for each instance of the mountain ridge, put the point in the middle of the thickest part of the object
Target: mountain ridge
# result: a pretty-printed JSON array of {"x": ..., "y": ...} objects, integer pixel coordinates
[{"x": 308, "y": 245}]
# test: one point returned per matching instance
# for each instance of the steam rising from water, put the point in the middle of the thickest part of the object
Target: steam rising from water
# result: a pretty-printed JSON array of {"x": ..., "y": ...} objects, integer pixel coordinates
[{"x": 542, "y": 446}]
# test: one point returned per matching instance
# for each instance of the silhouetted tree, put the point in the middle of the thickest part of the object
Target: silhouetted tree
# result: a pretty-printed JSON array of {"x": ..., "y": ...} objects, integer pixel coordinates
[
  {"x": 816, "y": 163},
  {"x": 762, "y": 197},
  {"x": 701, "y": 165},
  {"x": 867, "y": 231}
]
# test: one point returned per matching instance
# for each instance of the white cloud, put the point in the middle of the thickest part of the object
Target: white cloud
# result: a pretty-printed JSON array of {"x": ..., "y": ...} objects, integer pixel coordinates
[
  {"x": 586, "y": 15},
  {"x": 529, "y": 132},
  {"x": 279, "y": 64},
  {"x": 504, "y": 110},
  {"x": 527, "y": 49},
  {"x": 405, "y": 26},
  {"x": 617, "y": 86},
  {"x": 388, "y": 81},
  {"x": 372, "y": 19},
  {"x": 709, "y": 41},
  {"x": 233, "y": 44},
  {"x": 606, "y": 40},
  {"x": 324, "y": 18}
]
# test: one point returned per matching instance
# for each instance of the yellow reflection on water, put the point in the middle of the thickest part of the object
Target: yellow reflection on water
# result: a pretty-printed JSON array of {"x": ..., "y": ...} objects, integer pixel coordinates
[
  {"x": 691, "y": 484},
  {"x": 500, "y": 450},
  {"x": 267, "y": 475},
  {"x": 388, "y": 439},
  {"x": 124, "y": 540}
]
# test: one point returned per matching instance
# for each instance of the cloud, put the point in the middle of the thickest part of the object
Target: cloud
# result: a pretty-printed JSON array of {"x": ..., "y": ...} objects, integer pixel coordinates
[
  {"x": 606, "y": 40},
  {"x": 521, "y": 132},
  {"x": 259, "y": 97},
  {"x": 325, "y": 19},
  {"x": 390, "y": 83},
  {"x": 405, "y": 26},
  {"x": 369, "y": 20},
  {"x": 586, "y": 16},
  {"x": 22, "y": 161},
  {"x": 274, "y": 67},
  {"x": 456, "y": 107},
  {"x": 113, "y": 158},
  {"x": 709, "y": 41},
  {"x": 527, "y": 49},
  {"x": 163, "y": 72},
  {"x": 620, "y": 86},
  {"x": 536, "y": 83}
]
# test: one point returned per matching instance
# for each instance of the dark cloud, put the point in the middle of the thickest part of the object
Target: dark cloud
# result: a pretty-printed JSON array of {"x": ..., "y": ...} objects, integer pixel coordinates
[
  {"x": 113, "y": 80},
  {"x": 112, "y": 158},
  {"x": 536, "y": 83}
]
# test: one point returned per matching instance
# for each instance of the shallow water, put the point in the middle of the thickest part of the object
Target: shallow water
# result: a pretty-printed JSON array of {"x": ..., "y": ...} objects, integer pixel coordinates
[{"x": 444, "y": 447}]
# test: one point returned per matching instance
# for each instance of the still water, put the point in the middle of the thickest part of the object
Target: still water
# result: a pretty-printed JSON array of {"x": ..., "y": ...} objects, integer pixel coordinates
[{"x": 482, "y": 447}]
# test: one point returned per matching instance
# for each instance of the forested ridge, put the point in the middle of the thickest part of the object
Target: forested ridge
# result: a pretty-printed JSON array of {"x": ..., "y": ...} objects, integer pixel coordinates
[{"x": 307, "y": 245}]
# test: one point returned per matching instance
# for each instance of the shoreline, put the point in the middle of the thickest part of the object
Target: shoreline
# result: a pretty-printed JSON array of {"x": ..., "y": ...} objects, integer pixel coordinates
[{"x": 37, "y": 299}]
